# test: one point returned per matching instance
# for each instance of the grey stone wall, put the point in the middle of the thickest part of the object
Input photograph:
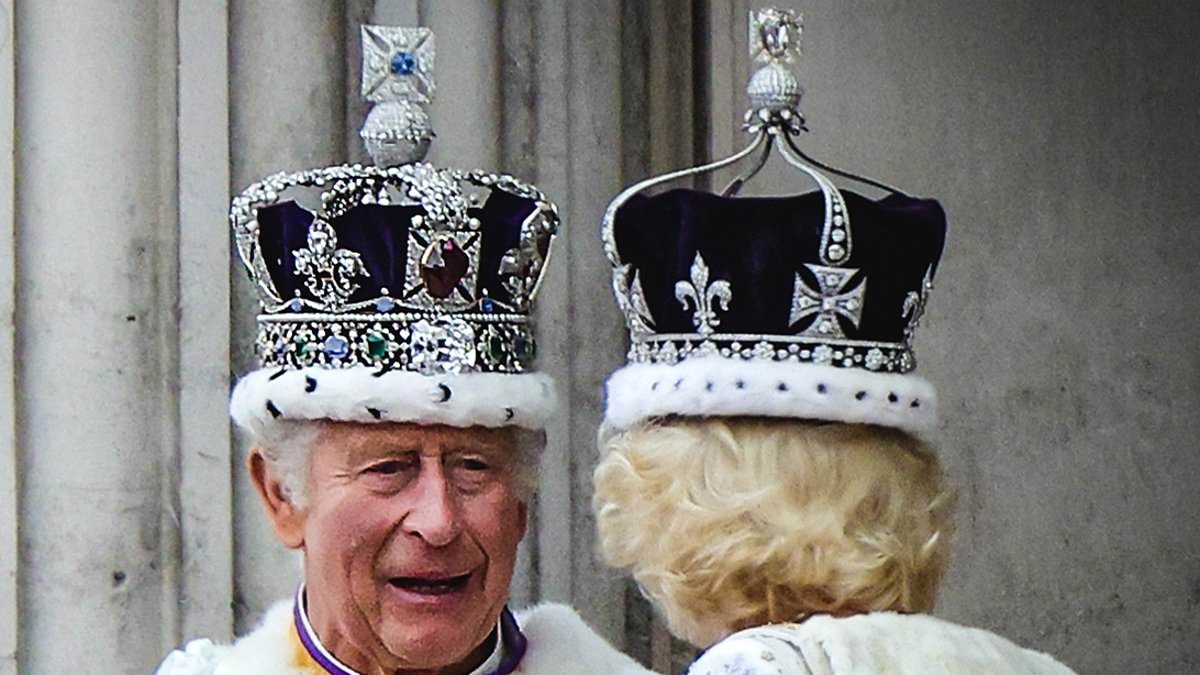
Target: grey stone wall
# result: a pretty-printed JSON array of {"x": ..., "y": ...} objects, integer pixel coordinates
[{"x": 1060, "y": 136}]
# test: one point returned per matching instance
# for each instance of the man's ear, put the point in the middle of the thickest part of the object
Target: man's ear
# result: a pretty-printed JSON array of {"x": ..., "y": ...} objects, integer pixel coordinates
[
  {"x": 287, "y": 519},
  {"x": 523, "y": 517}
]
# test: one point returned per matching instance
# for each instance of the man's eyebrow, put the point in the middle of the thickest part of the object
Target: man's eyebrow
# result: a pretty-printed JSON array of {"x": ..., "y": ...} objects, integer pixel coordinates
[
  {"x": 490, "y": 447},
  {"x": 367, "y": 447}
]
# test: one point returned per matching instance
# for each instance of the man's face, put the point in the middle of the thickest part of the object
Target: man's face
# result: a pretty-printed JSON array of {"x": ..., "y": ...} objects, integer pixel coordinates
[{"x": 410, "y": 535}]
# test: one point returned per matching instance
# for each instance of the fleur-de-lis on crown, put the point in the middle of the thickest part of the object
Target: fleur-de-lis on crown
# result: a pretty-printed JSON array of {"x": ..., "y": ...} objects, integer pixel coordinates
[
  {"x": 516, "y": 265},
  {"x": 327, "y": 269},
  {"x": 705, "y": 298}
]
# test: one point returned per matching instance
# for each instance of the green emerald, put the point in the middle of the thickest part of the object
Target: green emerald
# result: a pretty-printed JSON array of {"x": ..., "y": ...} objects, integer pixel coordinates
[
  {"x": 376, "y": 345},
  {"x": 496, "y": 347}
]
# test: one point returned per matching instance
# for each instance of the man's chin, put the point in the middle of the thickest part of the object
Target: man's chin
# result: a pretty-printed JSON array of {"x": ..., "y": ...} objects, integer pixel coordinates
[{"x": 435, "y": 641}]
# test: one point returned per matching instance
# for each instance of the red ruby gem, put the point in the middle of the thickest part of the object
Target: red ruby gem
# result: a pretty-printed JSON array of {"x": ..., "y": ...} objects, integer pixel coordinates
[{"x": 443, "y": 265}]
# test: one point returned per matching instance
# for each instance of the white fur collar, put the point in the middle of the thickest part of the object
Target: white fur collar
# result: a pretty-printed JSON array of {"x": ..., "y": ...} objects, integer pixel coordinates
[{"x": 560, "y": 643}]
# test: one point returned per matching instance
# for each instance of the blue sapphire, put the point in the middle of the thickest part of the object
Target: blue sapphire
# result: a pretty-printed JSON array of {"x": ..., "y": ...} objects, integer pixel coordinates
[
  {"x": 296, "y": 305},
  {"x": 336, "y": 347},
  {"x": 384, "y": 305},
  {"x": 488, "y": 305},
  {"x": 403, "y": 63}
]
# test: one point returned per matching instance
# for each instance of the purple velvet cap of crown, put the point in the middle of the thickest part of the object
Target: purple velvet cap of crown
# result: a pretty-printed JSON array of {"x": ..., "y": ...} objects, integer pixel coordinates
[
  {"x": 760, "y": 244},
  {"x": 380, "y": 235}
]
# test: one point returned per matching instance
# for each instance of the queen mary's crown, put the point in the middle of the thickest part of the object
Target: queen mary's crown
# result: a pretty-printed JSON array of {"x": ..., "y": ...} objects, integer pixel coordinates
[
  {"x": 793, "y": 306},
  {"x": 401, "y": 267}
]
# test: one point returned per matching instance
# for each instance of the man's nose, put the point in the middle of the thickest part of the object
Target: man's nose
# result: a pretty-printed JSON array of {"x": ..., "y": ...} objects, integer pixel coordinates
[{"x": 433, "y": 513}]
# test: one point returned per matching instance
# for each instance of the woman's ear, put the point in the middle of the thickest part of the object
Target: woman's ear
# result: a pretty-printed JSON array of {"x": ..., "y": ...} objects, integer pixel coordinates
[{"x": 287, "y": 518}]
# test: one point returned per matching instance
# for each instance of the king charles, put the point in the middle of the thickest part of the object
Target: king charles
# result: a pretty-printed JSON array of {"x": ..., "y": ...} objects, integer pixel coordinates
[{"x": 396, "y": 421}]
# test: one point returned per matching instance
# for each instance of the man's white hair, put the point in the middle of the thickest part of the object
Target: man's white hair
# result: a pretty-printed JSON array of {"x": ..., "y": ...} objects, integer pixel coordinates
[{"x": 287, "y": 446}]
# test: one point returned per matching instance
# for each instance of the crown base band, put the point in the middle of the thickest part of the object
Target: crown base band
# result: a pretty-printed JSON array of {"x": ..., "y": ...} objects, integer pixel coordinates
[
  {"x": 670, "y": 349},
  {"x": 423, "y": 343}
]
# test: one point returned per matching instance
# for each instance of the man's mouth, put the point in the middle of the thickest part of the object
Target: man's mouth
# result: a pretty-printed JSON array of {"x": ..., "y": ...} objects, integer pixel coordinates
[{"x": 430, "y": 585}]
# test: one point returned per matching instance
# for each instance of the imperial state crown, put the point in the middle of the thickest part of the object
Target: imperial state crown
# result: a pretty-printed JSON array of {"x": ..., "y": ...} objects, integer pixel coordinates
[{"x": 400, "y": 291}]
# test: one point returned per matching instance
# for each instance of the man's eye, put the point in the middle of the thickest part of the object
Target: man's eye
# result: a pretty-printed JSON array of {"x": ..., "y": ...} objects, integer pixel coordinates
[
  {"x": 389, "y": 468},
  {"x": 474, "y": 464}
]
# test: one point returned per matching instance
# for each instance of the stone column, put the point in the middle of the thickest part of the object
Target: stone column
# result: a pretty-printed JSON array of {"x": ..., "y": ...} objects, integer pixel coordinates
[
  {"x": 466, "y": 107},
  {"x": 205, "y": 493},
  {"x": 96, "y": 246},
  {"x": 287, "y": 112},
  {"x": 578, "y": 138},
  {"x": 9, "y": 508}
]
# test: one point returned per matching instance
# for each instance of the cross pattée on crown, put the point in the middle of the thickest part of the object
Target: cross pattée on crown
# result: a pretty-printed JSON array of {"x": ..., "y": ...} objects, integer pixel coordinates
[{"x": 829, "y": 300}]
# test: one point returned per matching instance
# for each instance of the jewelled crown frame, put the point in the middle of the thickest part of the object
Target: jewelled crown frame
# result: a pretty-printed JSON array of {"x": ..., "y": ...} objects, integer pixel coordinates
[
  {"x": 441, "y": 321},
  {"x": 818, "y": 311}
]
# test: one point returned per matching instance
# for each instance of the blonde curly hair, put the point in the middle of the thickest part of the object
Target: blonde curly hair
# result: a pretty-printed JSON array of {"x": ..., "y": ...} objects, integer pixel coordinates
[{"x": 728, "y": 523}]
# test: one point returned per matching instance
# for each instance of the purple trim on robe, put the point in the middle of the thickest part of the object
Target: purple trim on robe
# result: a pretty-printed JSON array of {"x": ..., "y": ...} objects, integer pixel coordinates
[
  {"x": 515, "y": 644},
  {"x": 513, "y": 639}
]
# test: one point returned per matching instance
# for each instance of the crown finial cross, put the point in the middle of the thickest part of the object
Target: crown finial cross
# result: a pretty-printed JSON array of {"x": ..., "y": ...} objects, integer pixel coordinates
[
  {"x": 397, "y": 76},
  {"x": 829, "y": 300},
  {"x": 397, "y": 64},
  {"x": 775, "y": 35}
]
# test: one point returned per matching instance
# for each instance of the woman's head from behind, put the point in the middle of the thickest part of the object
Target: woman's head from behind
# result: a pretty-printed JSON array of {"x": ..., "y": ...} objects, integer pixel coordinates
[{"x": 735, "y": 522}]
